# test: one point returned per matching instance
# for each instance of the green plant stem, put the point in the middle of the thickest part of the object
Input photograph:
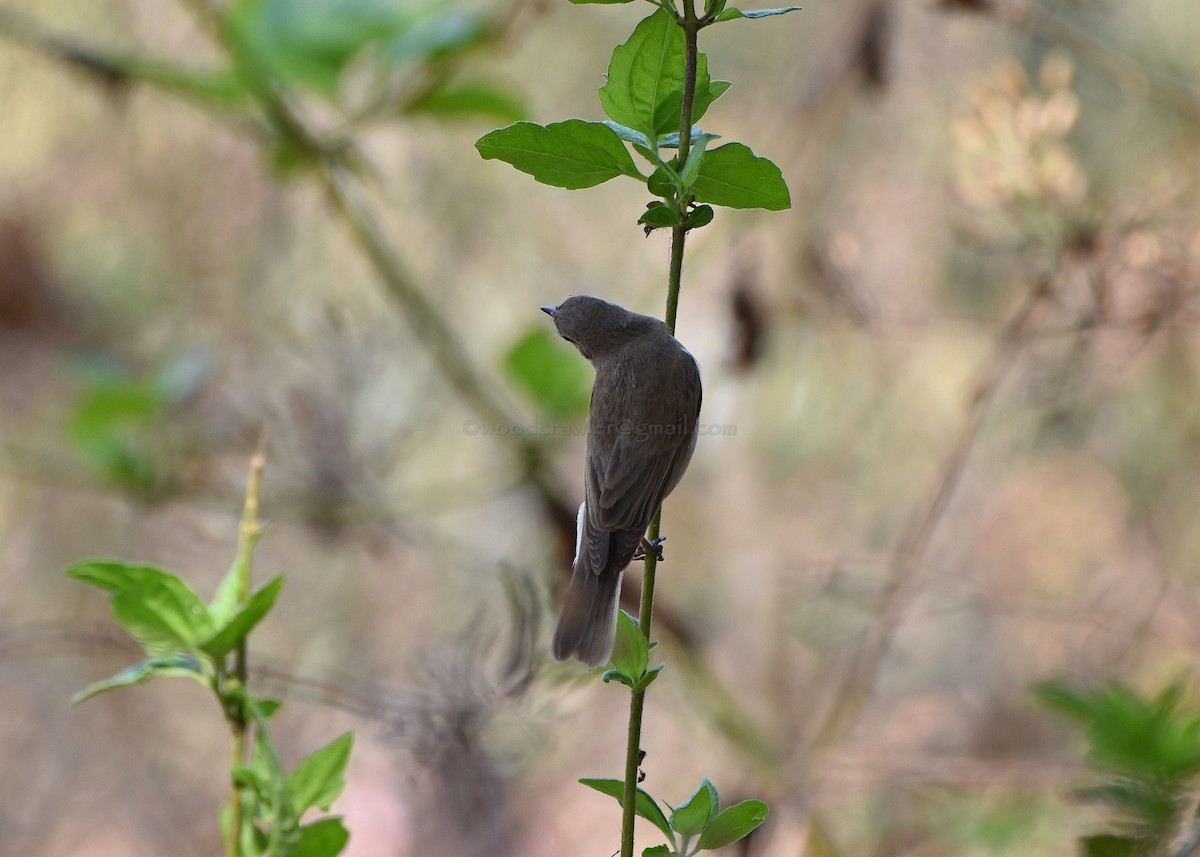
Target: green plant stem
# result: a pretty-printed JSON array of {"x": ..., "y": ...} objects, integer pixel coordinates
[
  {"x": 637, "y": 701},
  {"x": 250, "y": 532}
]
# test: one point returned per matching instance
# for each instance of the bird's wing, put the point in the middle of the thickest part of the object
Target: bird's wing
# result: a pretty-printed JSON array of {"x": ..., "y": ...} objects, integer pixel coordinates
[{"x": 630, "y": 472}]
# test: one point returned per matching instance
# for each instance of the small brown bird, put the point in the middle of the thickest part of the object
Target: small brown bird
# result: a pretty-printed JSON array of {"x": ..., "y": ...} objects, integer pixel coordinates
[{"x": 641, "y": 433}]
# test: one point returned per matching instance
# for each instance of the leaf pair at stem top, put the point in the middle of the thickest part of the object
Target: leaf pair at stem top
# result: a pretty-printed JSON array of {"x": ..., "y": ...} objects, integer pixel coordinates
[{"x": 643, "y": 96}]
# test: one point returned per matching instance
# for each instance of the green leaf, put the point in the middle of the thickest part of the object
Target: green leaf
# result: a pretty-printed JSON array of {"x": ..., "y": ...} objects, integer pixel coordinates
[
  {"x": 732, "y": 824},
  {"x": 155, "y": 606},
  {"x": 110, "y": 575},
  {"x": 649, "y": 676},
  {"x": 705, "y": 98},
  {"x": 182, "y": 665},
  {"x": 661, "y": 183},
  {"x": 628, "y": 134},
  {"x": 731, "y": 13},
  {"x": 631, "y": 655},
  {"x": 1148, "y": 739},
  {"x": 701, "y": 215},
  {"x": 572, "y": 154},
  {"x": 671, "y": 141},
  {"x": 1107, "y": 845},
  {"x": 320, "y": 776},
  {"x": 657, "y": 851},
  {"x": 469, "y": 99},
  {"x": 659, "y": 216},
  {"x": 110, "y": 426},
  {"x": 224, "y": 603},
  {"x": 551, "y": 373},
  {"x": 644, "y": 805},
  {"x": 644, "y": 89},
  {"x": 233, "y": 632},
  {"x": 695, "y": 158},
  {"x": 263, "y": 707},
  {"x": 697, "y": 812},
  {"x": 324, "y": 838},
  {"x": 309, "y": 44},
  {"x": 735, "y": 177}
]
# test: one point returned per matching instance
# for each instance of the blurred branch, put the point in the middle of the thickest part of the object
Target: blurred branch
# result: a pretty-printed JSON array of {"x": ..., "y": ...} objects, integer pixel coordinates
[{"x": 858, "y": 680}]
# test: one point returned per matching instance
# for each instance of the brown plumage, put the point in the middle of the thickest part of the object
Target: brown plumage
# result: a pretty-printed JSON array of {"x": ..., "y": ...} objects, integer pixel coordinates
[{"x": 641, "y": 433}]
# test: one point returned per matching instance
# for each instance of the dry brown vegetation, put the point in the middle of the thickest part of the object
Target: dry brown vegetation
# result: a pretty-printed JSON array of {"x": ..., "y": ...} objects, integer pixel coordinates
[{"x": 958, "y": 384}]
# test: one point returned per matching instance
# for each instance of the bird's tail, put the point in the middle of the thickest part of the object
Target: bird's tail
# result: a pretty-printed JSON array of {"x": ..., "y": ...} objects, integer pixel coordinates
[
  {"x": 587, "y": 626},
  {"x": 588, "y": 623}
]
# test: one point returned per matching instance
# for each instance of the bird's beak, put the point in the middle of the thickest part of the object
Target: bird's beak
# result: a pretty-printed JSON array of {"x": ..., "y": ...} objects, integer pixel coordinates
[{"x": 549, "y": 310}]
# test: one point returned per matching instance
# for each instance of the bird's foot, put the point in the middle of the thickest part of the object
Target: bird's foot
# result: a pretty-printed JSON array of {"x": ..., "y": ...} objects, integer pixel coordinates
[{"x": 650, "y": 547}]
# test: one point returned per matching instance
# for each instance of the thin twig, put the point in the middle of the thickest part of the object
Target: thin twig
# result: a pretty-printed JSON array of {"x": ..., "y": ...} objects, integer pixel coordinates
[{"x": 858, "y": 680}]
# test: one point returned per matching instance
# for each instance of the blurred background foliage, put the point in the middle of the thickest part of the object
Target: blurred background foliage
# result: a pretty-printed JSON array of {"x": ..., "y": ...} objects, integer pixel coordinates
[{"x": 952, "y": 411}]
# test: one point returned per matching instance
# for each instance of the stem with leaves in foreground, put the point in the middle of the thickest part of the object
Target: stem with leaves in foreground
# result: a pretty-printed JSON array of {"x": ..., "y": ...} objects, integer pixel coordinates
[
  {"x": 637, "y": 700},
  {"x": 249, "y": 533}
]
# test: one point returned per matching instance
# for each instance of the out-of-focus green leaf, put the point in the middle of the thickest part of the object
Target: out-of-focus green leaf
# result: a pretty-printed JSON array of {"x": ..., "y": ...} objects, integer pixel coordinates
[
  {"x": 434, "y": 32},
  {"x": 320, "y": 776},
  {"x": 556, "y": 378},
  {"x": 324, "y": 838},
  {"x": 109, "y": 424},
  {"x": 109, "y": 575},
  {"x": 1130, "y": 735},
  {"x": 155, "y": 606},
  {"x": 310, "y": 43},
  {"x": 231, "y": 634},
  {"x": 470, "y": 99},
  {"x": 182, "y": 665}
]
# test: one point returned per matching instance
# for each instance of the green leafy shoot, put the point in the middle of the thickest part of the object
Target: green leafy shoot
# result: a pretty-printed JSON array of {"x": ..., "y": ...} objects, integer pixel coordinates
[
  {"x": 1146, "y": 749},
  {"x": 631, "y": 656}
]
